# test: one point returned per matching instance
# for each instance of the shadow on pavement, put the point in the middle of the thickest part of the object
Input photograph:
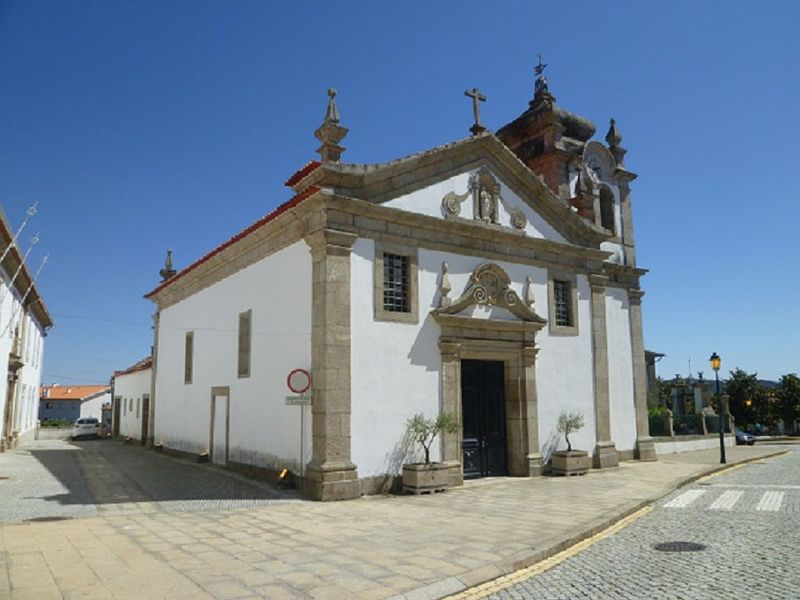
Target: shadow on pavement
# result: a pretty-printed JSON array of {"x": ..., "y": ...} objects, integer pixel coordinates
[{"x": 115, "y": 473}]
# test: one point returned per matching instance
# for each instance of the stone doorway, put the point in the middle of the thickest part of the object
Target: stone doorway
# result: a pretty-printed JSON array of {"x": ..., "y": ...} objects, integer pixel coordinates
[{"x": 483, "y": 400}]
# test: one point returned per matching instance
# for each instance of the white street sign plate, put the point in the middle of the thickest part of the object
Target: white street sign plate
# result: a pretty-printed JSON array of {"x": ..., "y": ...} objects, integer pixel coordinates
[{"x": 298, "y": 400}]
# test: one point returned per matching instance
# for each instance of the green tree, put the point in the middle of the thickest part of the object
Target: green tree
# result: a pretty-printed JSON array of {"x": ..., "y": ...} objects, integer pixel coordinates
[
  {"x": 786, "y": 404},
  {"x": 749, "y": 402},
  {"x": 659, "y": 397}
]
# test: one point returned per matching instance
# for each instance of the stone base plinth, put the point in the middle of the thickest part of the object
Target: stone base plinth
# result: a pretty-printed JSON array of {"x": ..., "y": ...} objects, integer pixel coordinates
[
  {"x": 605, "y": 455},
  {"x": 646, "y": 449},
  {"x": 535, "y": 465},
  {"x": 331, "y": 481}
]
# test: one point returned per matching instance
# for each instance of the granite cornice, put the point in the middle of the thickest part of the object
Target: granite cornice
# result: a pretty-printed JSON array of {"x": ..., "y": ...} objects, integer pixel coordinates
[
  {"x": 286, "y": 229},
  {"x": 457, "y": 236}
]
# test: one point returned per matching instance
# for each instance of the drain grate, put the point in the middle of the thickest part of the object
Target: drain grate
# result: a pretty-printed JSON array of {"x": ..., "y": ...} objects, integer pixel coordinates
[
  {"x": 679, "y": 547},
  {"x": 46, "y": 519}
]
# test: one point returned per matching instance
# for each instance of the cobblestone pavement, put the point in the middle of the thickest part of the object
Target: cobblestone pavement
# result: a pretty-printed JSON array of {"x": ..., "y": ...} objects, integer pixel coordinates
[
  {"x": 55, "y": 478},
  {"x": 746, "y": 518}
]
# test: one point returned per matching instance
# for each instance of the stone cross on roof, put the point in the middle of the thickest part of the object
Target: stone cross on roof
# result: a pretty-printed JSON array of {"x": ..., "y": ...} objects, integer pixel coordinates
[
  {"x": 477, "y": 97},
  {"x": 330, "y": 133}
]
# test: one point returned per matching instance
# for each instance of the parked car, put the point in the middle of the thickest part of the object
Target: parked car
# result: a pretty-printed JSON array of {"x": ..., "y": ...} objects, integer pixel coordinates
[
  {"x": 742, "y": 437},
  {"x": 85, "y": 427}
]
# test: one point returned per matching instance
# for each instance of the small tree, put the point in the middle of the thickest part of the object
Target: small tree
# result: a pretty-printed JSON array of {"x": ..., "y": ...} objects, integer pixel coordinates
[
  {"x": 424, "y": 431},
  {"x": 569, "y": 423}
]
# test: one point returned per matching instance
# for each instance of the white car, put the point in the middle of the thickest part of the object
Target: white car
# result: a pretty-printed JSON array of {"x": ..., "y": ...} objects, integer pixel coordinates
[{"x": 85, "y": 426}]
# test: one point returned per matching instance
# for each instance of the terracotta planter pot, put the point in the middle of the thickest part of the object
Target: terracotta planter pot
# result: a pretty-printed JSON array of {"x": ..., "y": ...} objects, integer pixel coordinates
[
  {"x": 574, "y": 462},
  {"x": 419, "y": 478}
]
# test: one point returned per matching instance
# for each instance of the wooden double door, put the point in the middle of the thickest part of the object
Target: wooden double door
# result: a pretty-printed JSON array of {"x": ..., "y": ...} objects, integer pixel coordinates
[{"x": 483, "y": 405}]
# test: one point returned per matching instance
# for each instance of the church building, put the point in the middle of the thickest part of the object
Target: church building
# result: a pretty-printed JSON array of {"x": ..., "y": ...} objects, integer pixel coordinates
[{"x": 493, "y": 278}]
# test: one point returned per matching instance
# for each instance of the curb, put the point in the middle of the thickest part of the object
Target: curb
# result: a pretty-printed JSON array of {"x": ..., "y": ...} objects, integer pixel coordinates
[{"x": 454, "y": 585}]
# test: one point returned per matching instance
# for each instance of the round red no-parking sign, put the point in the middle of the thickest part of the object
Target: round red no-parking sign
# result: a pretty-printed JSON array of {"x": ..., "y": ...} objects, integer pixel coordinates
[{"x": 298, "y": 381}]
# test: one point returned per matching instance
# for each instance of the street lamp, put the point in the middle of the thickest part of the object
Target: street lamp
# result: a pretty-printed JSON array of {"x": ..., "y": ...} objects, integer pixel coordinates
[{"x": 716, "y": 362}]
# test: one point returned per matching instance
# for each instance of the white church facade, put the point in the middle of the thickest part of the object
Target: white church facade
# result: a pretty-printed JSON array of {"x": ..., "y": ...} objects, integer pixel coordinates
[{"x": 493, "y": 278}]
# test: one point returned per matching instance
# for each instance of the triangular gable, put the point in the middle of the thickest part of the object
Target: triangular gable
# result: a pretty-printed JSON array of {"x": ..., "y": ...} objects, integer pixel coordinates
[{"x": 383, "y": 183}]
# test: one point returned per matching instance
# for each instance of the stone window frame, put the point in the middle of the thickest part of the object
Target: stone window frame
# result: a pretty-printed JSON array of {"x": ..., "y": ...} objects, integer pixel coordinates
[
  {"x": 412, "y": 254},
  {"x": 572, "y": 280},
  {"x": 244, "y": 344}
]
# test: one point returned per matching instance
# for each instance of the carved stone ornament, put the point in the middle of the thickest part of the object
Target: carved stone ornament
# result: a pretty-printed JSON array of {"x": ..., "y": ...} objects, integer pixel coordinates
[
  {"x": 528, "y": 293},
  {"x": 445, "y": 287},
  {"x": 486, "y": 198},
  {"x": 489, "y": 285}
]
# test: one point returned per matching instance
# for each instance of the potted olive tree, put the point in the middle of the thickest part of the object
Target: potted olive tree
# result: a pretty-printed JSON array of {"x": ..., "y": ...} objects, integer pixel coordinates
[
  {"x": 426, "y": 477},
  {"x": 569, "y": 461}
]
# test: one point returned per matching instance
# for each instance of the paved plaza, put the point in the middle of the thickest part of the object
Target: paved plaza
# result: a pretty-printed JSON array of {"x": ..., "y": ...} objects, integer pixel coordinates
[{"x": 158, "y": 527}]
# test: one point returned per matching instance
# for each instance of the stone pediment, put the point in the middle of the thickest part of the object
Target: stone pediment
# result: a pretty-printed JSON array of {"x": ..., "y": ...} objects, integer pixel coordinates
[
  {"x": 490, "y": 286},
  {"x": 381, "y": 183}
]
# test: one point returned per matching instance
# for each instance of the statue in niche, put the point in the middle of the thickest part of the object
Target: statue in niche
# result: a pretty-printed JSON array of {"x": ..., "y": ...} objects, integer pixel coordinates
[{"x": 485, "y": 206}]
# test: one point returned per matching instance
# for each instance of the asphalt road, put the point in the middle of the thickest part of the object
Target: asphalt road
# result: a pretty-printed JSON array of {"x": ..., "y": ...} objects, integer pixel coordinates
[{"x": 742, "y": 527}]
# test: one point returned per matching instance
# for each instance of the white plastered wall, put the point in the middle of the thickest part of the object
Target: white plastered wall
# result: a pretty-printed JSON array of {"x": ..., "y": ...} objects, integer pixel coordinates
[
  {"x": 620, "y": 369},
  {"x": 93, "y": 407},
  {"x": 263, "y": 431},
  {"x": 428, "y": 201},
  {"x": 132, "y": 386},
  {"x": 395, "y": 367}
]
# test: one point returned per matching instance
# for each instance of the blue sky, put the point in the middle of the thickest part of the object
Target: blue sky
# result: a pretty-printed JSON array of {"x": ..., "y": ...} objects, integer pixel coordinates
[{"x": 143, "y": 125}]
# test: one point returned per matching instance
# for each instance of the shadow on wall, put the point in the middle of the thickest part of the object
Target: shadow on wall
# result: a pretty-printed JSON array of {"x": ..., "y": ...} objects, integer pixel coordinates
[
  {"x": 550, "y": 445},
  {"x": 424, "y": 351}
]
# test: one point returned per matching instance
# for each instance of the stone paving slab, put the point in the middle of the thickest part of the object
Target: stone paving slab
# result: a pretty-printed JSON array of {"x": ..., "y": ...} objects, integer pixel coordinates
[{"x": 375, "y": 547}]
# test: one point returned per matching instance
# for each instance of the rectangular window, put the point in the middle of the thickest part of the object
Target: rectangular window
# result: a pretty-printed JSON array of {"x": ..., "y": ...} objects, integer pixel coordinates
[
  {"x": 245, "y": 339},
  {"x": 395, "y": 283},
  {"x": 563, "y": 302},
  {"x": 188, "y": 357},
  {"x": 138, "y": 400}
]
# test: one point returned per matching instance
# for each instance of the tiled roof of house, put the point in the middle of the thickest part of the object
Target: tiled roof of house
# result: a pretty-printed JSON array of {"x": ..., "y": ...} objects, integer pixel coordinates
[
  {"x": 145, "y": 363},
  {"x": 71, "y": 392}
]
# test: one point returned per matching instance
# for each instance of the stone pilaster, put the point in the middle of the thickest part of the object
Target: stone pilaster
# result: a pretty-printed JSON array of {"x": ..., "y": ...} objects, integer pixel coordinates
[
  {"x": 645, "y": 448},
  {"x": 605, "y": 454},
  {"x": 451, "y": 403},
  {"x": 331, "y": 475},
  {"x": 151, "y": 414},
  {"x": 531, "y": 408},
  {"x": 628, "y": 244}
]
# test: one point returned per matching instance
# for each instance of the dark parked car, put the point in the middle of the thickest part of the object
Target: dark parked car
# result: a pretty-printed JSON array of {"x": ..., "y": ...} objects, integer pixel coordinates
[{"x": 742, "y": 437}]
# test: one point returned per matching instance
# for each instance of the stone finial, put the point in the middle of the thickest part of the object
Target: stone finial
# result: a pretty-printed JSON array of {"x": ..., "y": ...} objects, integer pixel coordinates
[
  {"x": 330, "y": 133},
  {"x": 614, "y": 139},
  {"x": 167, "y": 272},
  {"x": 528, "y": 293},
  {"x": 445, "y": 287}
]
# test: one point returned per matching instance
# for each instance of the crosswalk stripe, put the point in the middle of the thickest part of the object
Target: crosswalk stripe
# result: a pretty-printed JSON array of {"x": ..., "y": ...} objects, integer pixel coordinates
[
  {"x": 726, "y": 501},
  {"x": 685, "y": 499},
  {"x": 770, "y": 501}
]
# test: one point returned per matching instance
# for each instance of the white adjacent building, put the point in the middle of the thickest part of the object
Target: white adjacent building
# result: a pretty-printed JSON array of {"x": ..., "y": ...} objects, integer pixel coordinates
[
  {"x": 131, "y": 405},
  {"x": 24, "y": 319},
  {"x": 493, "y": 278}
]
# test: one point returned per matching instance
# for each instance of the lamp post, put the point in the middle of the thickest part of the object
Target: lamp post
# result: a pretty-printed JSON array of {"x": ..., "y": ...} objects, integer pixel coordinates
[{"x": 716, "y": 362}]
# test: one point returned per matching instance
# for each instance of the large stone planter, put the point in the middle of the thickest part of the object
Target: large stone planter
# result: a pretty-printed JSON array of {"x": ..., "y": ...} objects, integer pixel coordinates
[
  {"x": 419, "y": 478},
  {"x": 572, "y": 462}
]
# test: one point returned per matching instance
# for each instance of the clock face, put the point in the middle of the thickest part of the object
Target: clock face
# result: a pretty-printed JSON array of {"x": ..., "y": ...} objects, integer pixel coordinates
[{"x": 597, "y": 163}]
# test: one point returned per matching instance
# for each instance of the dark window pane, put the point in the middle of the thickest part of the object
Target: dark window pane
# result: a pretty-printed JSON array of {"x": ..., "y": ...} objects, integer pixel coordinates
[{"x": 395, "y": 283}]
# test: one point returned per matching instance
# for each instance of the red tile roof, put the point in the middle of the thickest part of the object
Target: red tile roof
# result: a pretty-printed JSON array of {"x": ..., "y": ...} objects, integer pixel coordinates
[
  {"x": 71, "y": 392},
  {"x": 294, "y": 201},
  {"x": 300, "y": 174}
]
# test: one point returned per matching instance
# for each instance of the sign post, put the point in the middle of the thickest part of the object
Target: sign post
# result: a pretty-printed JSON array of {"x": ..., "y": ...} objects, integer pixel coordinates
[{"x": 299, "y": 382}]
